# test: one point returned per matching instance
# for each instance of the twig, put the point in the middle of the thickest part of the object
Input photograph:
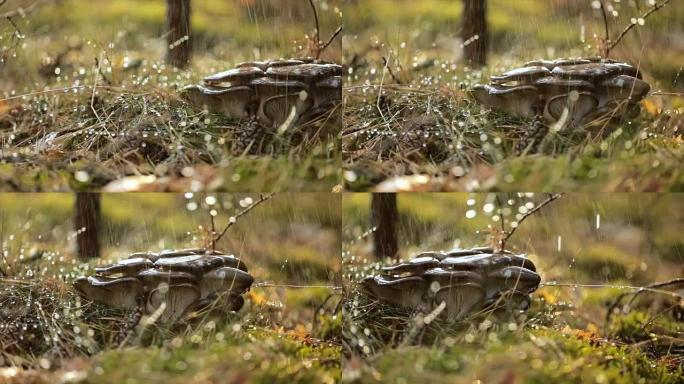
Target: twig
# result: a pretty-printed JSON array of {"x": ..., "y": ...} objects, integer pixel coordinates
[
  {"x": 649, "y": 288},
  {"x": 544, "y": 203},
  {"x": 330, "y": 40},
  {"x": 631, "y": 25},
  {"x": 605, "y": 20},
  {"x": 389, "y": 69},
  {"x": 318, "y": 26},
  {"x": 262, "y": 198},
  {"x": 269, "y": 285}
]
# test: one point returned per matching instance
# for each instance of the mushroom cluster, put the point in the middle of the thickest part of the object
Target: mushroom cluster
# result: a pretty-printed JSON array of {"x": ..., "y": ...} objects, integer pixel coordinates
[
  {"x": 276, "y": 91},
  {"x": 569, "y": 91},
  {"x": 465, "y": 280},
  {"x": 178, "y": 280}
]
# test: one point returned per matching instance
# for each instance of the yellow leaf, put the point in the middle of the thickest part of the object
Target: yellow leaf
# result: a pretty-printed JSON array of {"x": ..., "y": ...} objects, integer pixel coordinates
[
  {"x": 257, "y": 298},
  {"x": 4, "y": 107},
  {"x": 549, "y": 297},
  {"x": 591, "y": 327},
  {"x": 651, "y": 107}
]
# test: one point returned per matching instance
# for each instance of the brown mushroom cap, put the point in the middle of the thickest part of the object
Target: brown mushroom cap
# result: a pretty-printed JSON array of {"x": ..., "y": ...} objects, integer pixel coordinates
[
  {"x": 406, "y": 292},
  {"x": 153, "y": 278},
  {"x": 588, "y": 72},
  {"x": 225, "y": 279},
  {"x": 306, "y": 73},
  {"x": 284, "y": 63},
  {"x": 524, "y": 75},
  {"x": 235, "y": 76},
  {"x": 194, "y": 264},
  {"x": 516, "y": 100},
  {"x": 416, "y": 265},
  {"x": 622, "y": 87},
  {"x": 126, "y": 267},
  {"x": 122, "y": 292}
]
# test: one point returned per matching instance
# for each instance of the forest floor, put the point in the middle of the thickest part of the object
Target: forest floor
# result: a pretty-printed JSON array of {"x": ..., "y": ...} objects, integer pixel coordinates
[
  {"x": 86, "y": 99},
  {"x": 283, "y": 333},
  {"x": 566, "y": 336},
  {"x": 409, "y": 119}
]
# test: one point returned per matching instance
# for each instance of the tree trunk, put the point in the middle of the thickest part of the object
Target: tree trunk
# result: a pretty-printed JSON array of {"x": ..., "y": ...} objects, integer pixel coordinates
[
  {"x": 87, "y": 225},
  {"x": 178, "y": 33},
  {"x": 474, "y": 32},
  {"x": 384, "y": 216}
]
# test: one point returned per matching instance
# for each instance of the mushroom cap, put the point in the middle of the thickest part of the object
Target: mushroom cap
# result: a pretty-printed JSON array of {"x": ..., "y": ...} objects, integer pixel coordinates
[
  {"x": 263, "y": 65},
  {"x": 447, "y": 278},
  {"x": 524, "y": 75},
  {"x": 126, "y": 266},
  {"x": 225, "y": 279},
  {"x": 178, "y": 298},
  {"x": 416, "y": 265},
  {"x": 153, "y": 278},
  {"x": 284, "y": 63},
  {"x": 122, "y": 292},
  {"x": 195, "y": 264},
  {"x": 551, "y": 85},
  {"x": 589, "y": 71},
  {"x": 272, "y": 87},
  {"x": 622, "y": 87},
  {"x": 517, "y": 278},
  {"x": 239, "y": 75},
  {"x": 485, "y": 261},
  {"x": 307, "y": 73},
  {"x": 406, "y": 292},
  {"x": 517, "y": 100}
]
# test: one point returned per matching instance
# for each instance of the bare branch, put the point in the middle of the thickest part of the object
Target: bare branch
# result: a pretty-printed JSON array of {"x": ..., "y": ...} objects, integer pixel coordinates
[
  {"x": 655, "y": 287},
  {"x": 332, "y": 38},
  {"x": 631, "y": 25},
  {"x": 234, "y": 219},
  {"x": 528, "y": 214},
  {"x": 605, "y": 21},
  {"x": 318, "y": 28}
]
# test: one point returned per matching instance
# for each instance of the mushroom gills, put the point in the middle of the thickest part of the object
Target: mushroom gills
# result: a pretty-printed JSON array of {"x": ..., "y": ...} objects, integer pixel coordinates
[
  {"x": 177, "y": 298},
  {"x": 577, "y": 104},
  {"x": 407, "y": 292},
  {"x": 279, "y": 110},
  {"x": 122, "y": 292},
  {"x": 460, "y": 299}
]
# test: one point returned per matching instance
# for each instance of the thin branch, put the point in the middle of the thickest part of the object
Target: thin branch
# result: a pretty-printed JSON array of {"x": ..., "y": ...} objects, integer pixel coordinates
[
  {"x": 332, "y": 38},
  {"x": 605, "y": 20},
  {"x": 262, "y": 198},
  {"x": 528, "y": 214},
  {"x": 318, "y": 27},
  {"x": 389, "y": 69},
  {"x": 631, "y": 25},
  {"x": 655, "y": 287}
]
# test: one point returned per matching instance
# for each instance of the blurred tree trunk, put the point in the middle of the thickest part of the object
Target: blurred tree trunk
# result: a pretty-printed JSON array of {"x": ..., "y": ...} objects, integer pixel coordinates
[
  {"x": 384, "y": 216},
  {"x": 474, "y": 32},
  {"x": 178, "y": 33},
  {"x": 87, "y": 216}
]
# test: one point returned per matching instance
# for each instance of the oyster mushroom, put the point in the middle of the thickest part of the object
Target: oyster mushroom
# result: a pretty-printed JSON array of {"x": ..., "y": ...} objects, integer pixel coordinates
[
  {"x": 516, "y": 100},
  {"x": 182, "y": 279},
  {"x": 406, "y": 292},
  {"x": 465, "y": 280},
  {"x": 462, "y": 291},
  {"x": 225, "y": 279},
  {"x": 233, "y": 102},
  {"x": 569, "y": 91},
  {"x": 175, "y": 298},
  {"x": 123, "y": 292},
  {"x": 126, "y": 267},
  {"x": 236, "y": 76}
]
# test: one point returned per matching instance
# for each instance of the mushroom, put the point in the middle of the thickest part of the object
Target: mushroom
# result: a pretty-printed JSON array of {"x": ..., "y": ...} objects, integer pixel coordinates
[
  {"x": 175, "y": 298},
  {"x": 570, "y": 92},
  {"x": 406, "y": 292},
  {"x": 225, "y": 279},
  {"x": 236, "y": 76},
  {"x": 462, "y": 291},
  {"x": 516, "y": 100},
  {"x": 465, "y": 280},
  {"x": 182, "y": 279},
  {"x": 265, "y": 89},
  {"x": 233, "y": 102},
  {"x": 122, "y": 292}
]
